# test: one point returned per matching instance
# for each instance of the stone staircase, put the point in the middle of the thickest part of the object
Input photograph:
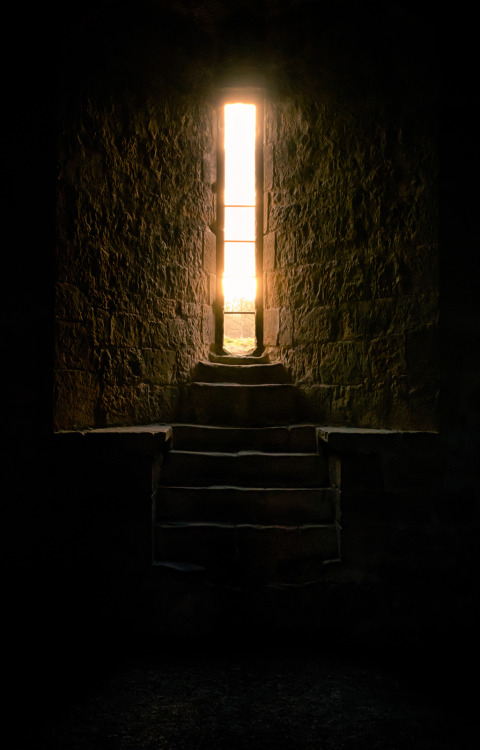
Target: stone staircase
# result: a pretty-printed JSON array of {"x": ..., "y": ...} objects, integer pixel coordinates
[{"x": 245, "y": 496}]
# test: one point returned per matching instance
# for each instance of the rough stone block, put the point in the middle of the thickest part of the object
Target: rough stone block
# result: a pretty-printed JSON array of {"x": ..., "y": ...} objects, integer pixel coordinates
[
  {"x": 244, "y": 405},
  {"x": 285, "y": 327},
  {"x": 210, "y": 372},
  {"x": 198, "y": 287},
  {"x": 287, "y": 245},
  {"x": 208, "y": 325},
  {"x": 314, "y": 324},
  {"x": 266, "y": 211},
  {"x": 269, "y": 251},
  {"x": 245, "y": 469},
  {"x": 271, "y": 326},
  {"x": 268, "y": 166},
  {"x": 209, "y": 167},
  {"x": 159, "y": 366},
  {"x": 125, "y": 330},
  {"x": 287, "y": 439},
  {"x": 283, "y": 506},
  {"x": 75, "y": 399},
  {"x": 386, "y": 358},
  {"x": 212, "y": 288},
  {"x": 317, "y": 402},
  {"x": 343, "y": 362},
  {"x": 271, "y": 130},
  {"x": 73, "y": 344},
  {"x": 71, "y": 303},
  {"x": 209, "y": 251}
]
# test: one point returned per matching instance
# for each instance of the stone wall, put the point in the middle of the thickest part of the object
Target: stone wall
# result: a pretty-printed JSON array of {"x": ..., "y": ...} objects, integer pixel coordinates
[
  {"x": 135, "y": 259},
  {"x": 351, "y": 261},
  {"x": 350, "y": 246}
]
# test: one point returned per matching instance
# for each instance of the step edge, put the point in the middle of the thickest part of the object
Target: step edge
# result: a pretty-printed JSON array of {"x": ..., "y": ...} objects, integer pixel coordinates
[
  {"x": 208, "y": 363},
  {"x": 232, "y": 359},
  {"x": 243, "y": 428},
  {"x": 243, "y": 488},
  {"x": 243, "y": 453},
  {"x": 289, "y": 427},
  {"x": 333, "y": 526},
  {"x": 221, "y": 383}
]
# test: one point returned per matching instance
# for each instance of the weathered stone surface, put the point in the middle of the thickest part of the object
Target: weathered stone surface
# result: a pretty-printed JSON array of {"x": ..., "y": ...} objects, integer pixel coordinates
[
  {"x": 70, "y": 381},
  {"x": 246, "y": 468},
  {"x": 269, "y": 251},
  {"x": 136, "y": 258},
  {"x": 245, "y": 405},
  {"x": 280, "y": 505},
  {"x": 268, "y": 166},
  {"x": 350, "y": 218},
  {"x": 317, "y": 324},
  {"x": 230, "y": 359},
  {"x": 209, "y": 251},
  {"x": 211, "y": 372},
  {"x": 352, "y": 262},
  {"x": 264, "y": 553},
  {"x": 285, "y": 327},
  {"x": 271, "y": 326},
  {"x": 289, "y": 438},
  {"x": 240, "y": 503}
]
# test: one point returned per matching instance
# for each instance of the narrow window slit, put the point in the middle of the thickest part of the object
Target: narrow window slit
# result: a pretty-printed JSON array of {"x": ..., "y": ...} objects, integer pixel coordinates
[{"x": 239, "y": 276}]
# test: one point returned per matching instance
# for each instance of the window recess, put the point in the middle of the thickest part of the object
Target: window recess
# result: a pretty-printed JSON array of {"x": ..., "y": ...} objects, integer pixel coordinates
[{"x": 239, "y": 318}]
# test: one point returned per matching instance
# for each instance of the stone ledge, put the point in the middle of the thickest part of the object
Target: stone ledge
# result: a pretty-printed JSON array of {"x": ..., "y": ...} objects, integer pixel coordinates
[
  {"x": 367, "y": 439},
  {"x": 144, "y": 438},
  {"x": 368, "y": 461}
]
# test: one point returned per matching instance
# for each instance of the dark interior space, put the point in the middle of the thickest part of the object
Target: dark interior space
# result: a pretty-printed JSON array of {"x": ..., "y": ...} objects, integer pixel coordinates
[{"x": 370, "y": 315}]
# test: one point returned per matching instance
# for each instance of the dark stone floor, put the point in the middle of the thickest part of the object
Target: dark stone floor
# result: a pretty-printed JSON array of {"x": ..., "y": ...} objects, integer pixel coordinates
[{"x": 122, "y": 691}]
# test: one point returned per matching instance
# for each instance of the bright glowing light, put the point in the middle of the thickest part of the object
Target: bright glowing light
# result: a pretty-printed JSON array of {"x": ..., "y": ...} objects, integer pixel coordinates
[
  {"x": 240, "y": 223},
  {"x": 240, "y": 154},
  {"x": 239, "y": 259},
  {"x": 239, "y": 282},
  {"x": 239, "y": 293}
]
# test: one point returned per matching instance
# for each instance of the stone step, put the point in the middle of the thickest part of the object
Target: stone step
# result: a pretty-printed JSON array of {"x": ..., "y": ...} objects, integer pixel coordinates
[
  {"x": 245, "y": 469},
  {"x": 284, "y": 506},
  {"x": 243, "y": 405},
  {"x": 251, "y": 374},
  {"x": 229, "y": 359},
  {"x": 300, "y": 438},
  {"x": 233, "y": 552}
]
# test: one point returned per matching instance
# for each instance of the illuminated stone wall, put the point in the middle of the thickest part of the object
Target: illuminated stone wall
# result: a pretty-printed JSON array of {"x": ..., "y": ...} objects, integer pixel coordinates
[
  {"x": 135, "y": 260},
  {"x": 351, "y": 260},
  {"x": 350, "y": 246}
]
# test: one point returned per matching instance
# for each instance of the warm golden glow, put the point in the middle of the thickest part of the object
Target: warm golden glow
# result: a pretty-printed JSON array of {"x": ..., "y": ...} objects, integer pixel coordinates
[
  {"x": 240, "y": 155},
  {"x": 239, "y": 282},
  {"x": 240, "y": 223}
]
